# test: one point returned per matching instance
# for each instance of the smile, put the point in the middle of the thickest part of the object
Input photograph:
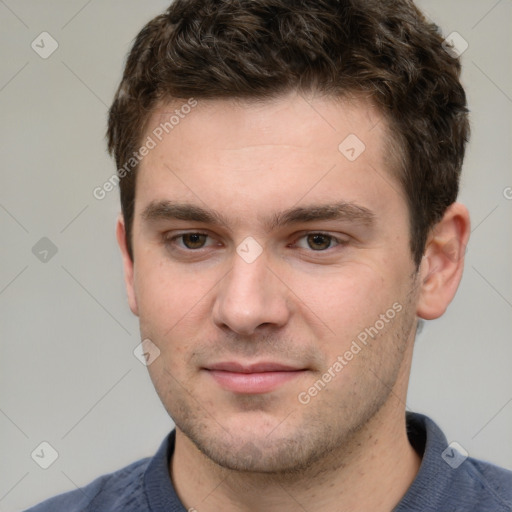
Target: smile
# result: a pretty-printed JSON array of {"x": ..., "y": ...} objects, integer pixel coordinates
[{"x": 252, "y": 379}]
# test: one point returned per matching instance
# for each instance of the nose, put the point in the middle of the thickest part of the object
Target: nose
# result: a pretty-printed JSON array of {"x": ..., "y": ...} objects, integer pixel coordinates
[{"x": 250, "y": 298}]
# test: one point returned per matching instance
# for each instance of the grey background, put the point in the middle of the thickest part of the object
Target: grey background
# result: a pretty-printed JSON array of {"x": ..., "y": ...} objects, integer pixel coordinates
[{"x": 68, "y": 375}]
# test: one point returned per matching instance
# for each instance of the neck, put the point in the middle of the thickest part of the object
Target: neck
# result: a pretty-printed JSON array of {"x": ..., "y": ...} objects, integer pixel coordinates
[
  {"x": 371, "y": 472},
  {"x": 373, "y": 475}
]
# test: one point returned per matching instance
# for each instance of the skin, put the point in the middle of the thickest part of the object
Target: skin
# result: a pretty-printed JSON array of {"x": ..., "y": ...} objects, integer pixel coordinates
[{"x": 302, "y": 302}]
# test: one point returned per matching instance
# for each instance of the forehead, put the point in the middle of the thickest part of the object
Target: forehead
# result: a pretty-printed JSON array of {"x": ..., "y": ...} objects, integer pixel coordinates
[
  {"x": 242, "y": 123},
  {"x": 292, "y": 147}
]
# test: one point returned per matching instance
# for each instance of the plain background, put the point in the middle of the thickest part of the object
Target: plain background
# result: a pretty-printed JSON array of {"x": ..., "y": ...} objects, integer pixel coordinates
[{"x": 68, "y": 375}]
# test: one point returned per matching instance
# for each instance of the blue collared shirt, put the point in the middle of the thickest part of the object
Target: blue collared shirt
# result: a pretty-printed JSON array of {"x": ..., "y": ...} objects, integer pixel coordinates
[{"x": 446, "y": 482}]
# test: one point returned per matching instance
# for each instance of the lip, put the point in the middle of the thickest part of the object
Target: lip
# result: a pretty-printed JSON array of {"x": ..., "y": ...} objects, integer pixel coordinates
[
  {"x": 262, "y": 367},
  {"x": 256, "y": 378}
]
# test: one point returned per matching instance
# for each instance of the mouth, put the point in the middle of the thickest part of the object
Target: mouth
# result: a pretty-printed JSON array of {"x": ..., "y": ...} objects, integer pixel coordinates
[{"x": 254, "y": 378}]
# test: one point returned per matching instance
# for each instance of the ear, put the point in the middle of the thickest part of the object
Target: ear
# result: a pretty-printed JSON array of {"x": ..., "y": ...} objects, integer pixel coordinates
[
  {"x": 127, "y": 264},
  {"x": 443, "y": 262}
]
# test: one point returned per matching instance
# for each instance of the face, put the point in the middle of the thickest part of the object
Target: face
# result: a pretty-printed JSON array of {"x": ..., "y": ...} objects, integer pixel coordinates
[{"x": 273, "y": 272}]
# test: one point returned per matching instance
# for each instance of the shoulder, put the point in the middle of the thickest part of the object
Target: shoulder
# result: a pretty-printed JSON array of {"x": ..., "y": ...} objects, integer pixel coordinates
[
  {"x": 488, "y": 486},
  {"x": 120, "y": 490},
  {"x": 448, "y": 479}
]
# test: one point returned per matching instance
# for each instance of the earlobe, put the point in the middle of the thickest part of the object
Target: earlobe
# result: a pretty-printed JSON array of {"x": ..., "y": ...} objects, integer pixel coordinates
[
  {"x": 128, "y": 265},
  {"x": 443, "y": 262}
]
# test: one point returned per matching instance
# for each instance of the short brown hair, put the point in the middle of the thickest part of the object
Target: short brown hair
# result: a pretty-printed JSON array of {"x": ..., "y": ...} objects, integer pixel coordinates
[{"x": 263, "y": 48}]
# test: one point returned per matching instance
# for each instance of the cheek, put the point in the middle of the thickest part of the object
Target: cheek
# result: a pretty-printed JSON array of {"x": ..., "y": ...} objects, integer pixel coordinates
[
  {"x": 163, "y": 292},
  {"x": 168, "y": 309},
  {"x": 174, "y": 304},
  {"x": 349, "y": 296}
]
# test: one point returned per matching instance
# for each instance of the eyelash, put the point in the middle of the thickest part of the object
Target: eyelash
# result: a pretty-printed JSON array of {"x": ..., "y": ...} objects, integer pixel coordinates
[{"x": 172, "y": 241}]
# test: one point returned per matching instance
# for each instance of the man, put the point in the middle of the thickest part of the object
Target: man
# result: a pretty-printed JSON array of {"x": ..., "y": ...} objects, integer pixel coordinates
[{"x": 288, "y": 176}]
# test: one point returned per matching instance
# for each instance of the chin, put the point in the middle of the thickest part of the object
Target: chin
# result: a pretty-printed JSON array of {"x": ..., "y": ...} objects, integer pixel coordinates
[{"x": 260, "y": 450}]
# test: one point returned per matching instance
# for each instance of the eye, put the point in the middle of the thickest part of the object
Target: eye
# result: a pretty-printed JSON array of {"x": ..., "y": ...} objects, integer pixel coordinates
[
  {"x": 318, "y": 242},
  {"x": 188, "y": 241},
  {"x": 194, "y": 240}
]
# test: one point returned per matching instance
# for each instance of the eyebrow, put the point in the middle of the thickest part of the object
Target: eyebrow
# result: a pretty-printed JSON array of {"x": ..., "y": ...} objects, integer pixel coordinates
[{"x": 343, "y": 211}]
